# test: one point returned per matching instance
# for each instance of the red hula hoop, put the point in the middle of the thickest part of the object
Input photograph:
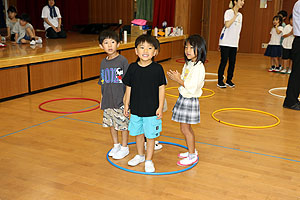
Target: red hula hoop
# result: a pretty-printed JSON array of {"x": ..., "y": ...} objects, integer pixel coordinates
[{"x": 61, "y": 112}]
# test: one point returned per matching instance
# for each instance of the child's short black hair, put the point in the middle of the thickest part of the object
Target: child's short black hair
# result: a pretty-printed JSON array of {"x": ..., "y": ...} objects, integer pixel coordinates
[
  {"x": 47, "y": 2},
  {"x": 108, "y": 34},
  {"x": 199, "y": 45},
  {"x": 291, "y": 17},
  {"x": 12, "y": 9},
  {"x": 283, "y": 13},
  {"x": 25, "y": 17},
  {"x": 279, "y": 18},
  {"x": 149, "y": 39}
]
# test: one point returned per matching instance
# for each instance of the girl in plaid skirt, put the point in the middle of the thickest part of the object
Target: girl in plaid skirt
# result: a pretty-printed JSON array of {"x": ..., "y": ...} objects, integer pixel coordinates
[{"x": 187, "y": 110}]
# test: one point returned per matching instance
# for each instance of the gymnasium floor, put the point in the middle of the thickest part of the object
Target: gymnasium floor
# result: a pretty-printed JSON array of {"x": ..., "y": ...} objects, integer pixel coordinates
[{"x": 46, "y": 156}]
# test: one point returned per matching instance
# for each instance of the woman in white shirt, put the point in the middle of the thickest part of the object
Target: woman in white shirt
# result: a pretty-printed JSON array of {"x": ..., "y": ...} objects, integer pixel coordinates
[
  {"x": 52, "y": 21},
  {"x": 229, "y": 40}
]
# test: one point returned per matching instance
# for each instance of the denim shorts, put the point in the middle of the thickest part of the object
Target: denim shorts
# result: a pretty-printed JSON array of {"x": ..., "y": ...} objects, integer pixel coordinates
[{"x": 149, "y": 126}]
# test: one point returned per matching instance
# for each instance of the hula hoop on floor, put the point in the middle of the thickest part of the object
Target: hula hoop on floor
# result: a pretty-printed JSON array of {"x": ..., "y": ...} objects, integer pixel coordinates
[
  {"x": 154, "y": 173},
  {"x": 205, "y": 89},
  {"x": 212, "y": 80},
  {"x": 61, "y": 99},
  {"x": 243, "y": 126},
  {"x": 277, "y": 95}
]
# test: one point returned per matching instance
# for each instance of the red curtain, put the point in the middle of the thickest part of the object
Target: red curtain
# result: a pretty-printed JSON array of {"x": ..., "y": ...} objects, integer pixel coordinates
[
  {"x": 73, "y": 12},
  {"x": 164, "y": 10}
]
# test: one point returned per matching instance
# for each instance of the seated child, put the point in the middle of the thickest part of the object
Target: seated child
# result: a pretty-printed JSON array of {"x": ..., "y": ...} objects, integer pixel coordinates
[
  {"x": 11, "y": 22},
  {"x": 24, "y": 31}
]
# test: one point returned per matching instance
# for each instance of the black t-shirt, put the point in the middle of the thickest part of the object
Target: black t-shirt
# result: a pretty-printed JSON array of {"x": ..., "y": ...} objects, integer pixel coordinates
[{"x": 144, "y": 83}]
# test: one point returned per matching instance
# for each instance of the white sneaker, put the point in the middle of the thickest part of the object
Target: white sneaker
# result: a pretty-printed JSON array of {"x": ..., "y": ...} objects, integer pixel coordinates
[
  {"x": 39, "y": 41},
  {"x": 284, "y": 71},
  {"x": 188, "y": 161},
  {"x": 186, "y": 154},
  {"x": 114, "y": 150},
  {"x": 122, "y": 153},
  {"x": 149, "y": 166},
  {"x": 136, "y": 160},
  {"x": 32, "y": 42},
  {"x": 157, "y": 146}
]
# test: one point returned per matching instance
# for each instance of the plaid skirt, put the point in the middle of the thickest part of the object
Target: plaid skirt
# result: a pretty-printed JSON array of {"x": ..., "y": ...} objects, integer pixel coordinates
[{"x": 186, "y": 110}]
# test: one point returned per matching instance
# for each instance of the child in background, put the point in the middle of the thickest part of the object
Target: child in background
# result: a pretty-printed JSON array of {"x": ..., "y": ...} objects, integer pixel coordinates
[
  {"x": 24, "y": 31},
  {"x": 145, "y": 93},
  {"x": 187, "y": 110},
  {"x": 274, "y": 49},
  {"x": 11, "y": 22},
  {"x": 113, "y": 69},
  {"x": 287, "y": 47},
  {"x": 283, "y": 14}
]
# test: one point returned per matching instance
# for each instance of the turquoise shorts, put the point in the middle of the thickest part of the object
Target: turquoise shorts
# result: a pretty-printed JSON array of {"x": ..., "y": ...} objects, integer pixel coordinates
[{"x": 149, "y": 126}]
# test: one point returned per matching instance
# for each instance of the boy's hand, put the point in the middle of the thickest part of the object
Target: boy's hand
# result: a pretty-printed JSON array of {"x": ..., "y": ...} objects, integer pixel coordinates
[
  {"x": 159, "y": 113},
  {"x": 126, "y": 112}
]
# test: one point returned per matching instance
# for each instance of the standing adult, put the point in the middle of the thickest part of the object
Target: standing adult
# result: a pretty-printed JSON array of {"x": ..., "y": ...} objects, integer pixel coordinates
[
  {"x": 293, "y": 90},
  {"x": 52, "y": 21},
  {"x": 229, "y": 40}
]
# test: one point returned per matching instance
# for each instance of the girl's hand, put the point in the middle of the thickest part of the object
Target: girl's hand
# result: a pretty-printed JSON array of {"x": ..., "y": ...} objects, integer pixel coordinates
[
  {"x": 174, "y": 75},
  {"x": 159, "y": 113}
]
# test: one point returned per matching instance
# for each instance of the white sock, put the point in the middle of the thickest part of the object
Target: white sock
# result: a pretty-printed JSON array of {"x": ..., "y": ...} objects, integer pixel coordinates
[
  {"x": 124, "y": 148},
  {"x": 116, "y": 145}
]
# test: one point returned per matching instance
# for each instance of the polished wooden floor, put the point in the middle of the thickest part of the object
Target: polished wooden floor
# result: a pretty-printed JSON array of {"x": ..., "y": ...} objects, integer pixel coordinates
[{"x": 46, "y": 156}]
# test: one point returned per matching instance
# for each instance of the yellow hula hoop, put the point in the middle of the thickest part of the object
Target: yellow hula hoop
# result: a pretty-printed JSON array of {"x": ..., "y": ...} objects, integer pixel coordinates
[
  {"x": 205, "y": 89},
  {"x": 246, "y": 109}
]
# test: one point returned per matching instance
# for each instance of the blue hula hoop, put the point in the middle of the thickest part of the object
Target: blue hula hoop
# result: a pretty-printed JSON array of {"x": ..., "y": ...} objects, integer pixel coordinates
[{"x": 155, "y": 173}]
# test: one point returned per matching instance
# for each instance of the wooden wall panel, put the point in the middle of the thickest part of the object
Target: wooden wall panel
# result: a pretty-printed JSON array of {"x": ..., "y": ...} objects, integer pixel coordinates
[
  {"x": 91, "y": 65},
  {"x": 288, "y": 5},
  {"x": 196, "y": 17},
  {"x": 13, "y": 81},
  {"x": 182, "y": 10},
  {"x": 103, "y": 11},
  {"x": 256, "y": 27},
  {"x": 189, "y": 15},
  {"x": 49, "y": 74}
]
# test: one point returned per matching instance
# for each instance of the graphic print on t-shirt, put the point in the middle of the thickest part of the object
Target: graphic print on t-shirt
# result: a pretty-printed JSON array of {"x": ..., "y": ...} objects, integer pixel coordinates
[
  {"x": 186, "y": 73},
  {"x": 111, "y": 75}
]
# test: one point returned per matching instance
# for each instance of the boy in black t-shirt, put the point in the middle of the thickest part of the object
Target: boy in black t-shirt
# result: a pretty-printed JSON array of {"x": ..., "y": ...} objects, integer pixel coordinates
[{"x": 145, "y": 93}]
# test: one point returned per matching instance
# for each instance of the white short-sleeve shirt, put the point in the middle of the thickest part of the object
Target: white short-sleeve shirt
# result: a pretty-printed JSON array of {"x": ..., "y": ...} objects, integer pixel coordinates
[
  {"x": 46, "y": 14},
  {"x": 296, "y": 18},
  {"x": 232, "y": 34},
  {"x": 287, "y": 42},
  {"x": 275, "y": 37}
]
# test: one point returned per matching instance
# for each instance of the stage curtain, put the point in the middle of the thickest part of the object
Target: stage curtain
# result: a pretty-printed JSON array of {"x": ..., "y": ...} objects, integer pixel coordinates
[
  {"x": 73, "y": 12},
  {"x": 164, "y": 10},
  {"x": 144, "y": 9}
]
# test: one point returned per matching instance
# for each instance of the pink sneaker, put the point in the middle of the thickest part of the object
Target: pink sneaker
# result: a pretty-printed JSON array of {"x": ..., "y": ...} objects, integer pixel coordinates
[{"x": 188, "y": 161}]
